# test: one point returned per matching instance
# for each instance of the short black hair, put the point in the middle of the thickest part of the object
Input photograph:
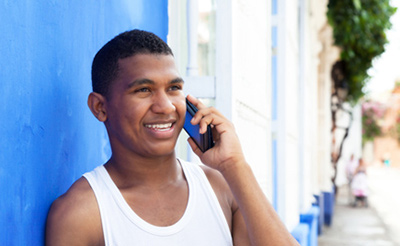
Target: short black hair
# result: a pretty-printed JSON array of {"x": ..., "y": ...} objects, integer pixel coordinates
[{"x": 126, "y": 44}]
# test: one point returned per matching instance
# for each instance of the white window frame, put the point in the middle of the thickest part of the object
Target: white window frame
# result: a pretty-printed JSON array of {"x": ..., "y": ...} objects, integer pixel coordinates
[{"x": 218, "y": 87}]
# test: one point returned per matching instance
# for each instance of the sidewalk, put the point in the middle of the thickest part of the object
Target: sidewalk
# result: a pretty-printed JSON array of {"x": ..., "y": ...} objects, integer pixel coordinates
[{"x": 353, "y": 226}]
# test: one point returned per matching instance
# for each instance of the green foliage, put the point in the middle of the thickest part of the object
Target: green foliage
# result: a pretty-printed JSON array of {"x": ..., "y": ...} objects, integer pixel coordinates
[{"x": 359, "y": 30}]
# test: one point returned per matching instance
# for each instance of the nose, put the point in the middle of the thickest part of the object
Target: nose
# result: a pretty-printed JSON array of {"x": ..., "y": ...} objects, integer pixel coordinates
[{"x": 162, "y": 104}]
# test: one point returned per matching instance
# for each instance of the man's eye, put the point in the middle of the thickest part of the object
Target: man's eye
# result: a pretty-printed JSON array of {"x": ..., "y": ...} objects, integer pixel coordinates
[
  {"x": 143, "y": 90},
  {"x": 175, "y": 88}
]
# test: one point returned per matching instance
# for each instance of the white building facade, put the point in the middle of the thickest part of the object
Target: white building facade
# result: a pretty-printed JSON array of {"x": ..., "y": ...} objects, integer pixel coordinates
[{"x": 266, "y": 65}]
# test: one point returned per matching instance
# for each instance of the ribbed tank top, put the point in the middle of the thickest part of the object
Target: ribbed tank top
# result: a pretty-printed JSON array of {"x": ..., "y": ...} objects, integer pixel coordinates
[{"x": 203, "y": 222}]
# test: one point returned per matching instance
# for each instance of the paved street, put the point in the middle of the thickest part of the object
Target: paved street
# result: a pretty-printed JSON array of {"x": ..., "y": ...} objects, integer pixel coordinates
[
  {"x": 377, "y": 225},
  {"x": 385, "y": 197}
]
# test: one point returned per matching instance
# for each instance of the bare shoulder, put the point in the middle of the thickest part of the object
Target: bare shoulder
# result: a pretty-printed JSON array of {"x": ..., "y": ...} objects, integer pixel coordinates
[
  {"x": 223, "y": 193},
  {"x": 233, "y": 216},
  {"x": 219, "y": 185},
  {"x": 216, "y": 180},
  {"x": 74, "y": 218}
]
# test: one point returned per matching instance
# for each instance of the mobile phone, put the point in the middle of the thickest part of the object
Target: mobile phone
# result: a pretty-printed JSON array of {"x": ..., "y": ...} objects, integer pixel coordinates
[{"x": 203, "y": 141}]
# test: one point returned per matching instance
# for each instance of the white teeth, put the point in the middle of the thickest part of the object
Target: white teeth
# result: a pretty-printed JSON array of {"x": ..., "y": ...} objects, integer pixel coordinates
[{"x": 160, "y": 126}]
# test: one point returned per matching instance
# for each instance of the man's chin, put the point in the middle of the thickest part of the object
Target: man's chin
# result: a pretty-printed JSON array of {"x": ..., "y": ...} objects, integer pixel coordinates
[{"x": 161, "y": 150}]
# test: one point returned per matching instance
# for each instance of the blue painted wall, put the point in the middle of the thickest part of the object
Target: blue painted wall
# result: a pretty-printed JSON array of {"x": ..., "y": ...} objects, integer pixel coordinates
[{"x": 48, "y": 137}]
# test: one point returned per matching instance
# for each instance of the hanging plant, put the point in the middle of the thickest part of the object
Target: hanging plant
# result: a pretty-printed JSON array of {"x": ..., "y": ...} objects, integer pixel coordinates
[
  {"x": 359, "y": 30},
  {"x": 372, "y": 114}
]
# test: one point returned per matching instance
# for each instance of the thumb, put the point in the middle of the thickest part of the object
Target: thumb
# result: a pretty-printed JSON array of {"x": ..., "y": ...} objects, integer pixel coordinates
[{"x": 194, "y": 147}]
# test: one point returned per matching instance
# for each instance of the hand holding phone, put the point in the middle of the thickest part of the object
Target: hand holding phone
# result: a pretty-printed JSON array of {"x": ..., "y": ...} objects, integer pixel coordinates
[
  {"x": 203, "y": 141},
  {"x": 226, "y": 150}
]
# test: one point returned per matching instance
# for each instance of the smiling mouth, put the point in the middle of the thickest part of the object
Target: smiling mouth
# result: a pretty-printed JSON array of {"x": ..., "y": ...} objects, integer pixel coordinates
[{"x": 159, "y": 127}]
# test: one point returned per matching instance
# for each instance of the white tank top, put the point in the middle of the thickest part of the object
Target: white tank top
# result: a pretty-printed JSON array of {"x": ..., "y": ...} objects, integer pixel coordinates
[{"x": 202, "y": 224}]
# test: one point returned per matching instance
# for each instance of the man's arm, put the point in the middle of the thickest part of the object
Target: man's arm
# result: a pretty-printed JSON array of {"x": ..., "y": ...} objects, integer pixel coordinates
[
  {"x": 262, "y": 222},
  {"x": 74, "y": 218},
  {"x": 263, "y": 225}
]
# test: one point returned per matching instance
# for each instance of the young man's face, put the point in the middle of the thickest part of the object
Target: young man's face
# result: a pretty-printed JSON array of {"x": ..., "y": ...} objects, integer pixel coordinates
[{"x": 146, "y": 106}]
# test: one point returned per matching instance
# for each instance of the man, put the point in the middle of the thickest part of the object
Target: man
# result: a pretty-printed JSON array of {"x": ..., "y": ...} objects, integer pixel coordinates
[{"x": 144, "y": 195}]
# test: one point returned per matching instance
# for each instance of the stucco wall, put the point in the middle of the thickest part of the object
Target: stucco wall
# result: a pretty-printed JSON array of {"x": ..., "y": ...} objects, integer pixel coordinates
[
  {"x": 251, "y": 85},
  {"x": 48, "y": 136}
]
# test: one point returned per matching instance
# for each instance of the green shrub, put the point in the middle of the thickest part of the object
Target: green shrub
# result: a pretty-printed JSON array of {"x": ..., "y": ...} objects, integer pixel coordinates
[{"x": 359, "y": 30}]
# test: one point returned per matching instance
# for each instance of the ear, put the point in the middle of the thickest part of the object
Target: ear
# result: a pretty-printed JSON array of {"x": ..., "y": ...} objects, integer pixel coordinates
[{"x": 97, "y": 103}]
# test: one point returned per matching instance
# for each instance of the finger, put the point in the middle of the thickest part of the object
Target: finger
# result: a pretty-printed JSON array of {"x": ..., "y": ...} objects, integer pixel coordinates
[
  {"x": 205, "y": 112},
  {"x": 205, "y": 122},
  {"x": 196, "y": 102},
  {"x": 215, "y": 134},
  {"x": 194, "y": 147},
  {"x": 213, "y": 120}
]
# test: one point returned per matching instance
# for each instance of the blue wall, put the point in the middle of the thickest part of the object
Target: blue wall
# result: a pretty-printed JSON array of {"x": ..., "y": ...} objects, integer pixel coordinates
[{"x": 48, "y": 137}]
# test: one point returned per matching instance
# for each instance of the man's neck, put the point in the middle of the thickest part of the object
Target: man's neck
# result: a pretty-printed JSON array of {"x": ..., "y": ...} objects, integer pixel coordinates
[{"x": 152, "y": 172}]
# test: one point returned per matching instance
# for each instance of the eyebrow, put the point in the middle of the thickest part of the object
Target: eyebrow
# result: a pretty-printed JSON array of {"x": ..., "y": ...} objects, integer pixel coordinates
[
  {"x": 177, "y": 80},
  {"x": 139, "y": 82}
]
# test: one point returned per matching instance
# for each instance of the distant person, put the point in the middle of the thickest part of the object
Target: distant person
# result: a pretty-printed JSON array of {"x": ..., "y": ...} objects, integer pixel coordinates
[
  {"x": 144, "y": 194},
  {"x": 386, "y": 160},
  {"x": 351, "y": 167},
  {"x": 359, "y": 185}
]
